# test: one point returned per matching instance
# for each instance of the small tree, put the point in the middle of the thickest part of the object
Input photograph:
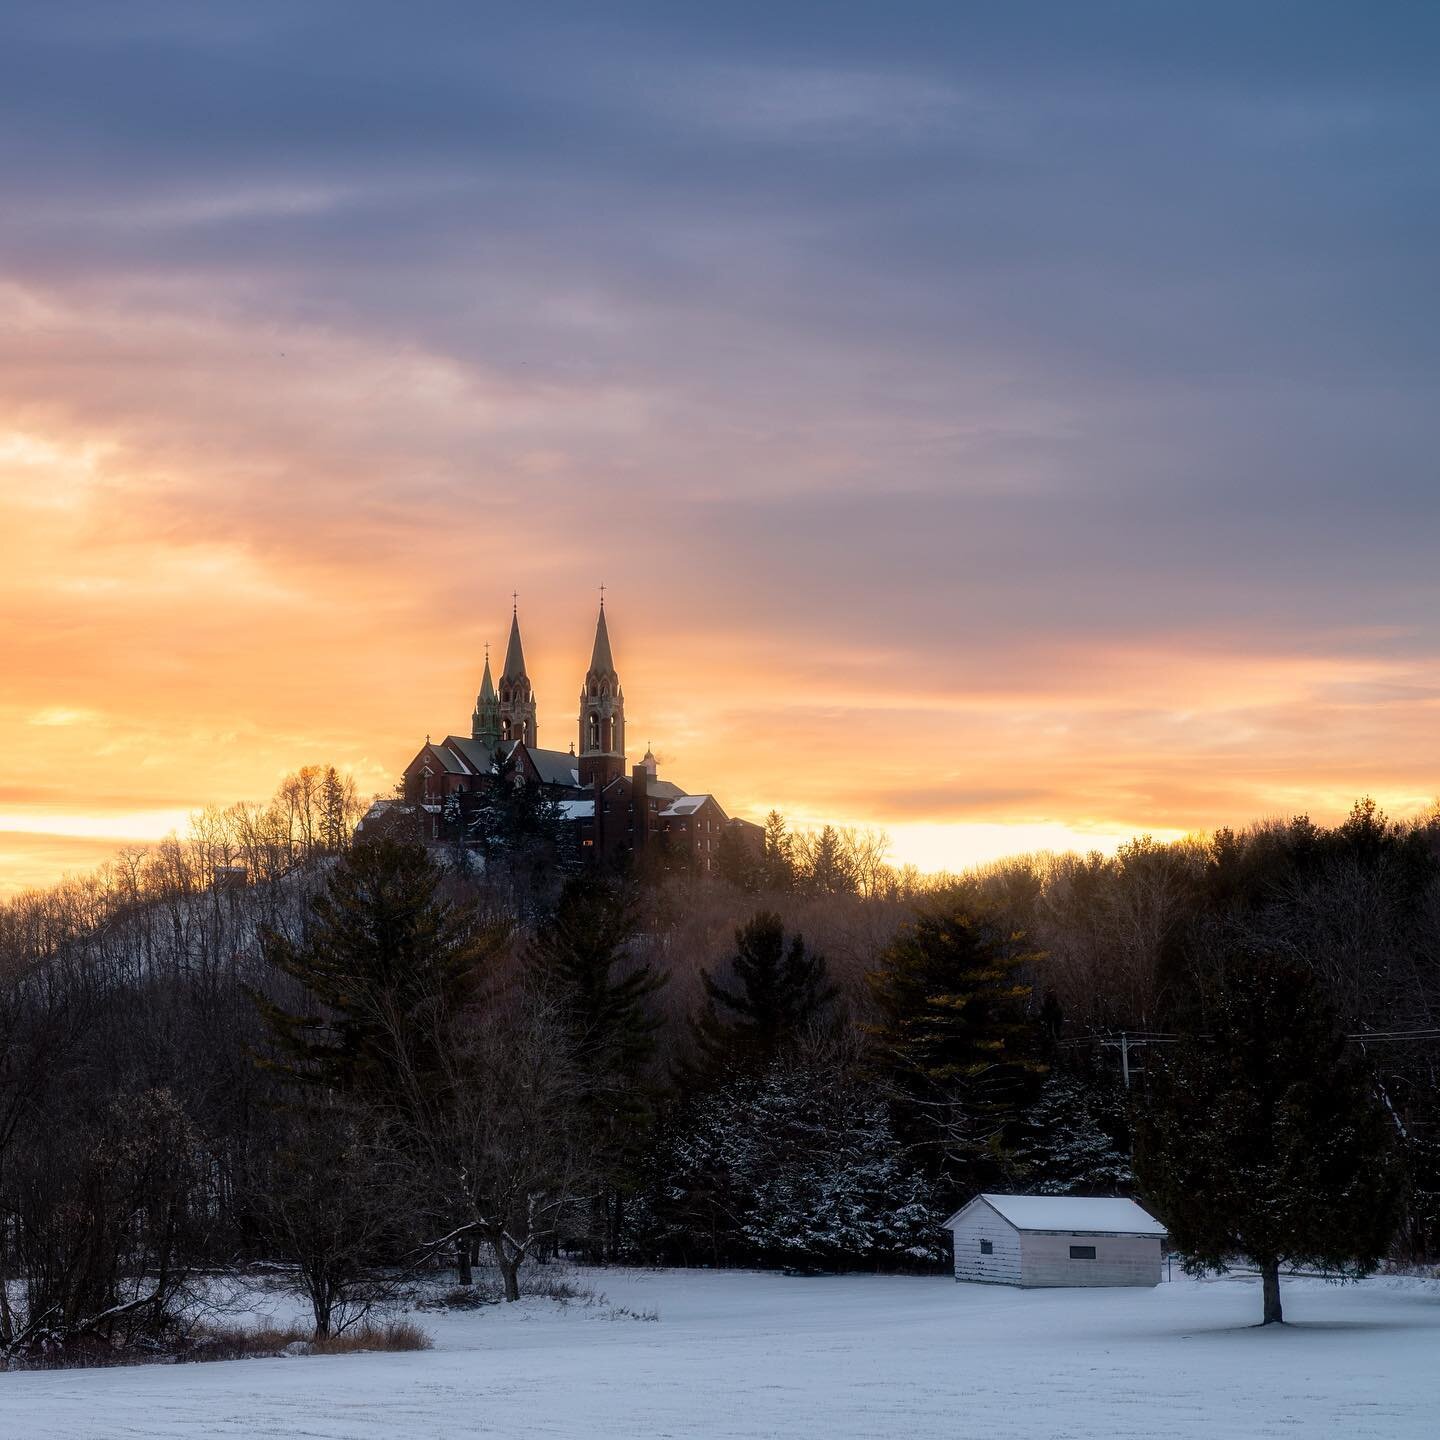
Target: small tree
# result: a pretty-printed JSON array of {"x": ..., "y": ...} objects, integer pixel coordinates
[
  {"x": 503, "y": 1150},
  {"x": 1264, "y": 1137},
  {"x": 328, "y": 1201}
]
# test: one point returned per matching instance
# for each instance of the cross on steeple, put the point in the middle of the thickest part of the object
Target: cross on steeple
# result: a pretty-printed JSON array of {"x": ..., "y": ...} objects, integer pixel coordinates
[{"x": 602, "y": 597}]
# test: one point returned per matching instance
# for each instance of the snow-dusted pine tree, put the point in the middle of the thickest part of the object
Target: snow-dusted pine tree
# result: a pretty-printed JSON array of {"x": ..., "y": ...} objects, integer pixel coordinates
[
  {"x": 1065, "y": 1143},
  {"x": 797, "y": 1165}
]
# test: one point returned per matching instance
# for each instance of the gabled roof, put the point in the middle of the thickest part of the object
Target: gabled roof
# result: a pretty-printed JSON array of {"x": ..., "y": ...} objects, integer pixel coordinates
[
  {"x": 665, "y": 789},
  {"x": 479, "y": 756},
  {"x": 555, "y": 767},
  {"x": 1081, "y": 1214},
  {"x": 446, "y": 756}
]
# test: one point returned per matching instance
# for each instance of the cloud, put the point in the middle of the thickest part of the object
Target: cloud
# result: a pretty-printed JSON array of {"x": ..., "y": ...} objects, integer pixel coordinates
[{"x": 979, "y": 417}]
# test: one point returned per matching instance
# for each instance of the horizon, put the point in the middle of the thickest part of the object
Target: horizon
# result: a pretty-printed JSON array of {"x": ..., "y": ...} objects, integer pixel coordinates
[{"x": 1001, "y": 430}]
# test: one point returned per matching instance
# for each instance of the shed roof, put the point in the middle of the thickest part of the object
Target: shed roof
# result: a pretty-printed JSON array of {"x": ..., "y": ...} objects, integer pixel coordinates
[{"x": 1086, "y": 1214}]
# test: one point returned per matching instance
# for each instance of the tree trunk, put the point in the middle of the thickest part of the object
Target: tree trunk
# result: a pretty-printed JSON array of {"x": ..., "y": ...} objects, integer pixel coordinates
[
  {"x": 1270, "y": 1279},
  {"x": 462, "y": 1256},
  {"x": 617, "y": 1227},
  {"x": 509, "y": 1273}
]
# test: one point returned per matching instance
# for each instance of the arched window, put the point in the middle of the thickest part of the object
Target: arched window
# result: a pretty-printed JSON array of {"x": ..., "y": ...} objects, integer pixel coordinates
[{"x": 593, "y": 743}]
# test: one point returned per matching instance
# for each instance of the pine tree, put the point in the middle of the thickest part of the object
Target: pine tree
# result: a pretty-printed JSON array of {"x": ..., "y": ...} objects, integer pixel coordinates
[
  {"x": 385, "y": 959},
  {"x": 1064, "y": 1142},
  {"x": 794, "y": 1164},
  {"x": 582, "y": 959},
  {"x": 953, "y": 1027},
  {"x": 581, "y": 956},
  {"x": 520, "y": 832},
  {"x": 738, "y": 863},
  {"x": 778, "y": 993},
  {"x": 779, "y": 864},
  {"x": 1264, "y": 1137},
  {"x": 828, "y": 867}
]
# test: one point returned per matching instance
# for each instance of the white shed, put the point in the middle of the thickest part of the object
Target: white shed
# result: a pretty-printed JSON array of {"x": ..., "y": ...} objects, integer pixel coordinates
[{"x": 1056, "y": 1240}]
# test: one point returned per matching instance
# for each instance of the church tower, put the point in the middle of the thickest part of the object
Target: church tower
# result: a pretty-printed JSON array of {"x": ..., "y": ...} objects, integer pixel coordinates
[
  {"x": 485, "y": 722},
  {"x": 602, "y": 713},
  {"x": 517, "y": 698}
]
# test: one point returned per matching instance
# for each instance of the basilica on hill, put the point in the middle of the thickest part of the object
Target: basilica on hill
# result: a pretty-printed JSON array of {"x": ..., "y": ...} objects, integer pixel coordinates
[{"x": 610, "y": 812}]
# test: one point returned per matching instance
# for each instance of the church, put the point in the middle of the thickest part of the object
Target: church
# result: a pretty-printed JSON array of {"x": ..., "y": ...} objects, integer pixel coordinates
[{"x": 610, "y": 813}]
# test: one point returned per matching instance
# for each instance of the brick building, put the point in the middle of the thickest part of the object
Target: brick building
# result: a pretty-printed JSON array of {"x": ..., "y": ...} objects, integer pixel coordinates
[{"x": 611, "y": 813}]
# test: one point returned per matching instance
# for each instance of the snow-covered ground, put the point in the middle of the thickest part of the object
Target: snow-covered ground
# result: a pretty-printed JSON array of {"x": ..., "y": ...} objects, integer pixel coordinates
[{"x": 738, "y": 1354}]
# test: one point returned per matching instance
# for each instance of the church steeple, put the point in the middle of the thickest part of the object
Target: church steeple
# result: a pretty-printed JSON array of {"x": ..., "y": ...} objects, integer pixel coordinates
[
  {"x": 485, "y": 722},
  {"x": 601, "y": 662},
  {"x": 517, "y": 697},
  {"x": 602, "y": 711}
]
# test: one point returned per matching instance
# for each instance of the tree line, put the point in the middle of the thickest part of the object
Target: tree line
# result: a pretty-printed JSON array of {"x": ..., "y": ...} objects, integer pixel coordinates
[{"x": 361, "y": 1060}]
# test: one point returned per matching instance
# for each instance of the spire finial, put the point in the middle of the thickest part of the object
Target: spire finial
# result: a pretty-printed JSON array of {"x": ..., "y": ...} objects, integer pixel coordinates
[
  {"x": 602, "y": 597},
  {"x": 514, "y": 602}
]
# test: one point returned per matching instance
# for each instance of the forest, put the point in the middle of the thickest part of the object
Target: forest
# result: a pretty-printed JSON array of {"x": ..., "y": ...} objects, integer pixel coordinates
[{"x": 270, "y": 1043}]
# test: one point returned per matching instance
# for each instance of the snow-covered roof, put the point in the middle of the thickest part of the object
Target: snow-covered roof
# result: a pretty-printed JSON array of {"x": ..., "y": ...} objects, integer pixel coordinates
[
  {"x": 577, "y": 809},
  {"x": 1081, "y": 1213},
  {"x": 686, "y": 805},
  {"x": 452, "y": 760}
]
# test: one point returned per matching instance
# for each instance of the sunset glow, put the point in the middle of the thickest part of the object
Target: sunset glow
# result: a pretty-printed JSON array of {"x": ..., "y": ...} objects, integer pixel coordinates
[{"x": 915, "y": 510}]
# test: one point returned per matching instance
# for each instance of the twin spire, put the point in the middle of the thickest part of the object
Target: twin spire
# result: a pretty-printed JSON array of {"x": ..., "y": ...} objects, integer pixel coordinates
[
  {"x": 509, "y": 713},
  {"x": 514, "y": 651},
  {"x": 600, "y": 660}
]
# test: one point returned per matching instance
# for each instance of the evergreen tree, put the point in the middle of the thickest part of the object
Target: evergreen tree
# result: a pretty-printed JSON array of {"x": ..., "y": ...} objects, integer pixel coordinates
[
  {"x": 953, "y": 1027},
  {"x": 519, "y": 829},
  {"x": 738, "y": 863},
  {"x": 827, "y": 865},
  {"x": 1264, "y": 1137},
  {"x": 582, "y": 959},
  {"x": 779, "y": 862},
  {"x": 1065, "y": 1141},
  {"x": 795, "y": 1164},
  {"x": 778, "y": 992},
  {"x": 385, "y": 959}
]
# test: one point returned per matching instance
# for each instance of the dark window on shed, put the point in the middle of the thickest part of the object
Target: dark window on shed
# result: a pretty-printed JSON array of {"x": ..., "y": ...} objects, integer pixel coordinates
[
  {"x": 987, "y": 1247},
  {"x": 1082, "y": 1252}
]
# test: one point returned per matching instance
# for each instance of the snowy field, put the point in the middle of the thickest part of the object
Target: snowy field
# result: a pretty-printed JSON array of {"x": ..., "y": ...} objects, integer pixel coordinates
[{"x": 748, "y": 1355}]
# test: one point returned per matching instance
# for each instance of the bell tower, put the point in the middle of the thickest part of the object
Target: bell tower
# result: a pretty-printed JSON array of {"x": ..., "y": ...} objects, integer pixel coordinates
[
  {"x": 517, "y": 697},
  {"x": 602, "y": 713}
]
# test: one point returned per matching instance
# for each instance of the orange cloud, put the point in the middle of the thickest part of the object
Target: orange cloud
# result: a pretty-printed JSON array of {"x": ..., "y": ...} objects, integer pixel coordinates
[{"x": 229, "y": 548}]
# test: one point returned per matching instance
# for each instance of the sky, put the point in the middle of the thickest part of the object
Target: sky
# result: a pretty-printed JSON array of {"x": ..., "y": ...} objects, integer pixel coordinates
[{"x": 1009, "y": 426}]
